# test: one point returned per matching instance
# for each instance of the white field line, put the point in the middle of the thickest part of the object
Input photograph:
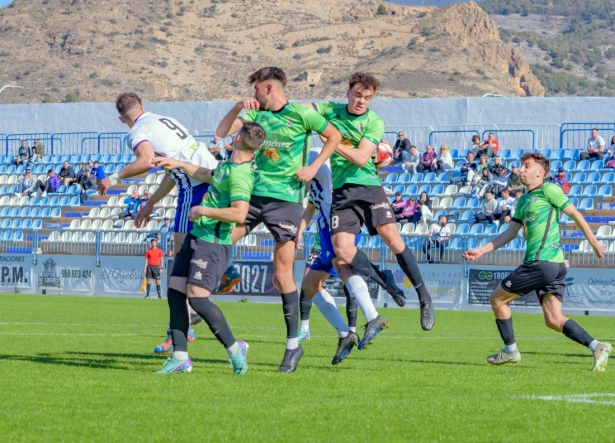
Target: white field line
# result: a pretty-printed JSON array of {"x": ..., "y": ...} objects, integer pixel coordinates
[{"x": 601, "y": 399}]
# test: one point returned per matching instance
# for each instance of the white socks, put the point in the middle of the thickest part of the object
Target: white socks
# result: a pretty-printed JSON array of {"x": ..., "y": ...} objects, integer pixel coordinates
[
  {"x": 593, "y": 345},
  {"x": 305, "y": 325},
  {"x": 180, "y": 355},
  {"x": 326, "y": 305},
  {"x": 233, "y": 349},
  {"x": 292, "y": 343},
  {"x": 358, "y": 288},
  {"x": 510, "y": 348}
]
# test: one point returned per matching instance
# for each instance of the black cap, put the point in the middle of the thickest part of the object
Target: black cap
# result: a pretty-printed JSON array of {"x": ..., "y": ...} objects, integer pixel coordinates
[
  {"x": 397, "y": 193},
  {"x": 167, "y": 218},
  {"x": 560, "y": 170}
]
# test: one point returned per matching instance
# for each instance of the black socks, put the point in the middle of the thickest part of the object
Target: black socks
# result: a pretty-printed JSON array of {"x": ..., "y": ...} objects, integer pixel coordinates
[
  {"x": 290, "y": 304},
  {"x": 407, "y": 263},
  {"x": 361, "y": 264},
  {"x": 576, "y": 333},
  {"x": 215, "y": 319},
  {"x": 305, "y": 305},
  {"x": 179, "y": 319},
  {"x": 351, "y": 309},
  {"x": 506, "y": 330},
  {"x": 157, "y": 289}
]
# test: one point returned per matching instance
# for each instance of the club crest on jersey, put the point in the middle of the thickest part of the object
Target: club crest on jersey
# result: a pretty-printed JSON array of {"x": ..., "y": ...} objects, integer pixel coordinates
[
  {"x": 263, "y": 117},
  {"x": 534, "y": 198},
  {"x": 360, "y": 127},
  {"x": 289, "y": 123}
]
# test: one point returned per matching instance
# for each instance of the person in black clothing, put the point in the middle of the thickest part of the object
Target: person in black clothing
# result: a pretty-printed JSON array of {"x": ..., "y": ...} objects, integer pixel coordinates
[
  {"x": 402, "y": 144},
  {"x": 88, "y": 185},
  {"x": 497, "y": 166},
  {"x": 467, "y": 171},
  {"x": 67, "y": 174},
  {"x": 423, "y": 205}
]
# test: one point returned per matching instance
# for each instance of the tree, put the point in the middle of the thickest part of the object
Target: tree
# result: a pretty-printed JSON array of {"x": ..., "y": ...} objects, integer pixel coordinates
[
  {"x": 382, "y": 10},
  {"x": 71, "y": 97}
]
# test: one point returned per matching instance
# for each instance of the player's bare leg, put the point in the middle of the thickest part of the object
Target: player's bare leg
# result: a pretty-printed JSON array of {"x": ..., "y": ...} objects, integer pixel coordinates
[
  {"x": 283, "y": 258},
  {"x": 500, "y": 299}
]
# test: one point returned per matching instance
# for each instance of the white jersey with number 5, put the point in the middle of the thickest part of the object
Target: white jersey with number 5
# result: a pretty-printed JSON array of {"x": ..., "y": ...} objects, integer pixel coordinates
[
  {"x": 321, "y": 191},
  {"x": 171, "y": 139}
]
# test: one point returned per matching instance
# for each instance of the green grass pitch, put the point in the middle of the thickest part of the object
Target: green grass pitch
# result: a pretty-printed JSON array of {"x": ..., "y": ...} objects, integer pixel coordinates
[{"x": 81, "y": 369}]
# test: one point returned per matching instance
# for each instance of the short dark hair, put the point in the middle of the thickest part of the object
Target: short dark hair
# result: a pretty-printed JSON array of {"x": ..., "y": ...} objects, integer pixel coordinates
[
  {"x": 268, "y": 73},
  {"x": 50, "y": 171},
  {"x": 127, "y": 101},
  {"x": 538, "y": 158},
  {"x": 252, "y": 135},
  {"x": 364, "y": 79},
  {"x": 594, "y": 129}
]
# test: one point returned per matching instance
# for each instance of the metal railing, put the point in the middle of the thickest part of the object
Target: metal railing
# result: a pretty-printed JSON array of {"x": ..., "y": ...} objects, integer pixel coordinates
[
  {"x": 574, "y": 135},
  {"x": 12, "y": 142},
  {"x": 515, "y": 138},
  {"x": 417, "y": 134},
  {"x": 455, "y": 138},
  {"x": 70, "y": 142}
]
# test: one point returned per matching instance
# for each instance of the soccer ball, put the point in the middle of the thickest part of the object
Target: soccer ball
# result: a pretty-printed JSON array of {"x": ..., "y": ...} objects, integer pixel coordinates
[{"x": 384, "y": 155}]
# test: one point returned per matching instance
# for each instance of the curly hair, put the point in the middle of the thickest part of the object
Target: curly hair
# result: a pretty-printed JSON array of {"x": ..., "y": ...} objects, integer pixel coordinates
[
  {"x": 365, "y": 79},
  {"x": 538, "y": 158}
]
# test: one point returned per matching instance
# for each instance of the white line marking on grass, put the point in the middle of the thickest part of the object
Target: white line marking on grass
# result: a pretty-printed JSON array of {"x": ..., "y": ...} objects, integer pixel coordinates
[{"x": 600, "y": 399}]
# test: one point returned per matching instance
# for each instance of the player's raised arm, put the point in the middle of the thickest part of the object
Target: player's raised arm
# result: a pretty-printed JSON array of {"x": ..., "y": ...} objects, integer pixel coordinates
[
  {"x": 194, "y": 171},
  {"x": 359, "y": 155},
  {"x": 502, "y": 239},
  {"x": 572, "y": 212},
  {"x": 230, "y": 124}
]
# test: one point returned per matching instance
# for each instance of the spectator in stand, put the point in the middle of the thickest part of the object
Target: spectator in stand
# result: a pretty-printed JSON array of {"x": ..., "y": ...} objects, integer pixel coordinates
[
  {"x": 90, "y": 165},
  {"x": 483, "y": 162},
  {"x": 215, "y": 147},
  {"x": 25, "y": 184},
  {"x": 143, "y": 200},
  {"x": 595, "y": 147},
  {"x": 476, "y": 146},
  {"x": 499, "y": 183},
  {"x": 484, "y": 182},
  {"x": 167, "y": 229},
  {"x": 132, "y": 205},
  {"x": 561, "y": 179},
  {"x": 80, "y": 174},
  {"x": 439, "y": 237},
  {"x": 506, "y": 206},
  {"x": 67, "y": 174},
  {"x": 97, "y": 171},
  {"x": 467, "y": 171},
  {"x": 609, "y": 162},
  {"x": 490, "y": 205},
  {"x": 489, "y": 147},
  {"x": 426, "y": 159},
  {"x": 411, "y": 160},
  {"x": 38, "y": 149},
  {"x": 444, "y": 161},
  {"x": 51, "y": 184},
  {"x": 497, "y": 166},
  {"x": 423, "y": 212},
  {"x": 403, "y": 209},
  {"x": 514, "y": 182},
  {"x": 24, "y": 155},
  {"x": 88, "y": 185},
  {"x": 401, "y": 145},
  {"x": 36, "y": 158}
]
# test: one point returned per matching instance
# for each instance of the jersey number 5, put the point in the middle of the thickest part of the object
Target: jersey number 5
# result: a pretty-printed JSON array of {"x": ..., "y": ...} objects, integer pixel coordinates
[{"x": 172, "y": 126}]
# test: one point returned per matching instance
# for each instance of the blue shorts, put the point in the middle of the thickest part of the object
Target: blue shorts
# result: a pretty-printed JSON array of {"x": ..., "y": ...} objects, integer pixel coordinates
[
  {"x": 188, "y": 197},
  {"x": 325, "y": 259}
]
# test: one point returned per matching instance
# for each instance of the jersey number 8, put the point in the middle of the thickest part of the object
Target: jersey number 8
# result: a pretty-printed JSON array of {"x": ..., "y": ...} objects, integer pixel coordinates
[{"x": 335, "y": 222}]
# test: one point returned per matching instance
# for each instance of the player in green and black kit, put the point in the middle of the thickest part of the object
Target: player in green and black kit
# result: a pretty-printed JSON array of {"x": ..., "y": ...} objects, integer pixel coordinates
[
  {"x": 358, "y": 198},
  {"x": 279, "y": 181},
  {"x": 203, "y": 257},
  {"x": 543, "y": 269}
]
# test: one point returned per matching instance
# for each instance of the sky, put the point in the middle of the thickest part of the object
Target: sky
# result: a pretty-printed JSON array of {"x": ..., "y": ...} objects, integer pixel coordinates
[{"x": 4, "y": 2}]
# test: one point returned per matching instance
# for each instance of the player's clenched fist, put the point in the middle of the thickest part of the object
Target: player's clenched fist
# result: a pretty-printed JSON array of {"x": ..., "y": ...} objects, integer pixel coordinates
[
  {"x": 195, "y": 213},
  {"x": 305, "y": 174},
  {"x": 472, "y": 254},
  {"x": 249, "y": 104}
]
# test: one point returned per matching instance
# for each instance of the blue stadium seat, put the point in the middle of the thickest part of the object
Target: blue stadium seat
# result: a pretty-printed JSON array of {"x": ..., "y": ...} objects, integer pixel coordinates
[
  {"x": 119, "y": 167},
  {"x": 17, "y": 236},
  {"x": 12, "y": 189},
  {"x": 25, "y": 212},
  {"x": 575, "y": 191},
  {"x": 391, "y": 178},
  {"x": 570, "y": 165},
  {"x": 437, "y": 215},
  {"x": 20, "y": 169},
  {"x": 374, "y": 243},
  {"x": 517, "y": 154},
  {"x": 516, "y": 163},
  {"x": 6, "y": 235},
  {"x": 57, "y": 168},
  {"x": 37, "y": 224},
  {"x": 56, "y": 213},
  {"x": 411, "y": 190},
  {"x": 463, "y": 228},
  {"x": 594, "y": 177},
  {"x": 48, "y": 167},
  {"x": 605, "y": 191},
  {"x": 11, "y": 169},
  {"x": 54, "y": 200},
  {"x": 64, "y": 201},
  {"x": 430, "y": 177},
  {"x": 454, "y": 153},
  {"x": 109, "y": 168},
  {"x": 608, "y": 178},
  {"x": 62, "y": 189},
  {"x": 505, "y": 153},
  {"x": 39, "y": 169},
  {"x": 425, "y": 188},
  {"x": 459, "y": 203},
  {"x": 475, "y": 203},
  {"x": 127, "y": 158},
  {"x": 443, "y": 178},
  {"x": 9, "y": 159},
  {"x": 95, "y": 157},
  {"x": 457, "y": 244},
  {"x": 6, "y": 223},
  {"x": 403, "y": 178},
  {"x": 27, "y": 224},
  {"x": 590, "y": 191},
  {"x": 46, "y": 212},
  {"x": 472, "y": 243},
  {"x": 572, "y": 154},
  {"x": 105, "y": 158},
  {"x": 2, "y": 169},
  {"x": 546, "y": 153},
  {"x": 117, "y": 158},
  {"x": 47, "y": 158},
  {"x": 574, "y": 201},
  {"x": 416, "y": 178},
  {"x": 477, "y": 229},
  {"x": 399, "y": 188},
  {"x": 586, "y": 204},
  {"x": 579, "y": 177},
  {"x": 43, "y": 201},
  {"x": 75, "y": 201},
  {"x": 16, "y": 224},
  {"x": 5, "y": 211},
  {"x": 557, "y": 154},
  {"x": 491, "y": 229},
  {"x": 36, "y": 212},
  {"x": 58, "y": 158},
  {"x": 4, "y": 189},
  {"x": 459, "y": 164},
  {"x": 467, "y": 215},
  {"x": 438, "y": 190},
  {"x": 555, "y": 165},
  {"x": 74, "y": 189},
  {"x": 583, "y": 165},
  {"x": 14, "y": 212},
  {"x": 597, "y": 164}
]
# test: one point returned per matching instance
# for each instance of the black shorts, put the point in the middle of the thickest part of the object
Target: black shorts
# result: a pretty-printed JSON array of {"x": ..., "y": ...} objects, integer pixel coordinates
[
  {"x": 280, "y": 217},
  {"x": 541, "y": 276},
  {"x": 314, "y": 254},
  {"x": 152, "y": 272},
  {"x": 202, "y": 263},
  {"x": 355, "y": 205}
]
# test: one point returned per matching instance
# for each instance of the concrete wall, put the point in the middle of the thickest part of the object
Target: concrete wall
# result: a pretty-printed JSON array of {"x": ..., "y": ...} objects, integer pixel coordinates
[{"x": 203, "y": 116}]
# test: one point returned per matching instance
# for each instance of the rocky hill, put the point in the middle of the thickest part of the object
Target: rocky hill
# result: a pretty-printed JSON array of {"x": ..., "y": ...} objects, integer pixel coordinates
[{"x": 89, "y": 50}]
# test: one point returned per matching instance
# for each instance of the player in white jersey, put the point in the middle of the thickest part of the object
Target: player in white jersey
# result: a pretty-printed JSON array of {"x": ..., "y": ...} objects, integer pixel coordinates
[
  {"x": 323, "y": 266},
  {"x": 152, "y": 135}
]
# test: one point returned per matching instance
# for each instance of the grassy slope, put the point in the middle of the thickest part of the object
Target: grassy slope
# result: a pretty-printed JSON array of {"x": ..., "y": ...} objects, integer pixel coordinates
[{"x": 81, "y": 369}]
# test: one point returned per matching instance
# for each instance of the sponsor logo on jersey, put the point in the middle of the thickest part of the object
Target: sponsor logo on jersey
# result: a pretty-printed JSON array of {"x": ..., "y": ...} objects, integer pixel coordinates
[
  {"x": 508, "y": 283},
  {"x": 383, "y": 205},
  {"x": 291, "y": 228},
  {"x": 198, "y": 275},
  {"x": 200, "y": 263}
]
